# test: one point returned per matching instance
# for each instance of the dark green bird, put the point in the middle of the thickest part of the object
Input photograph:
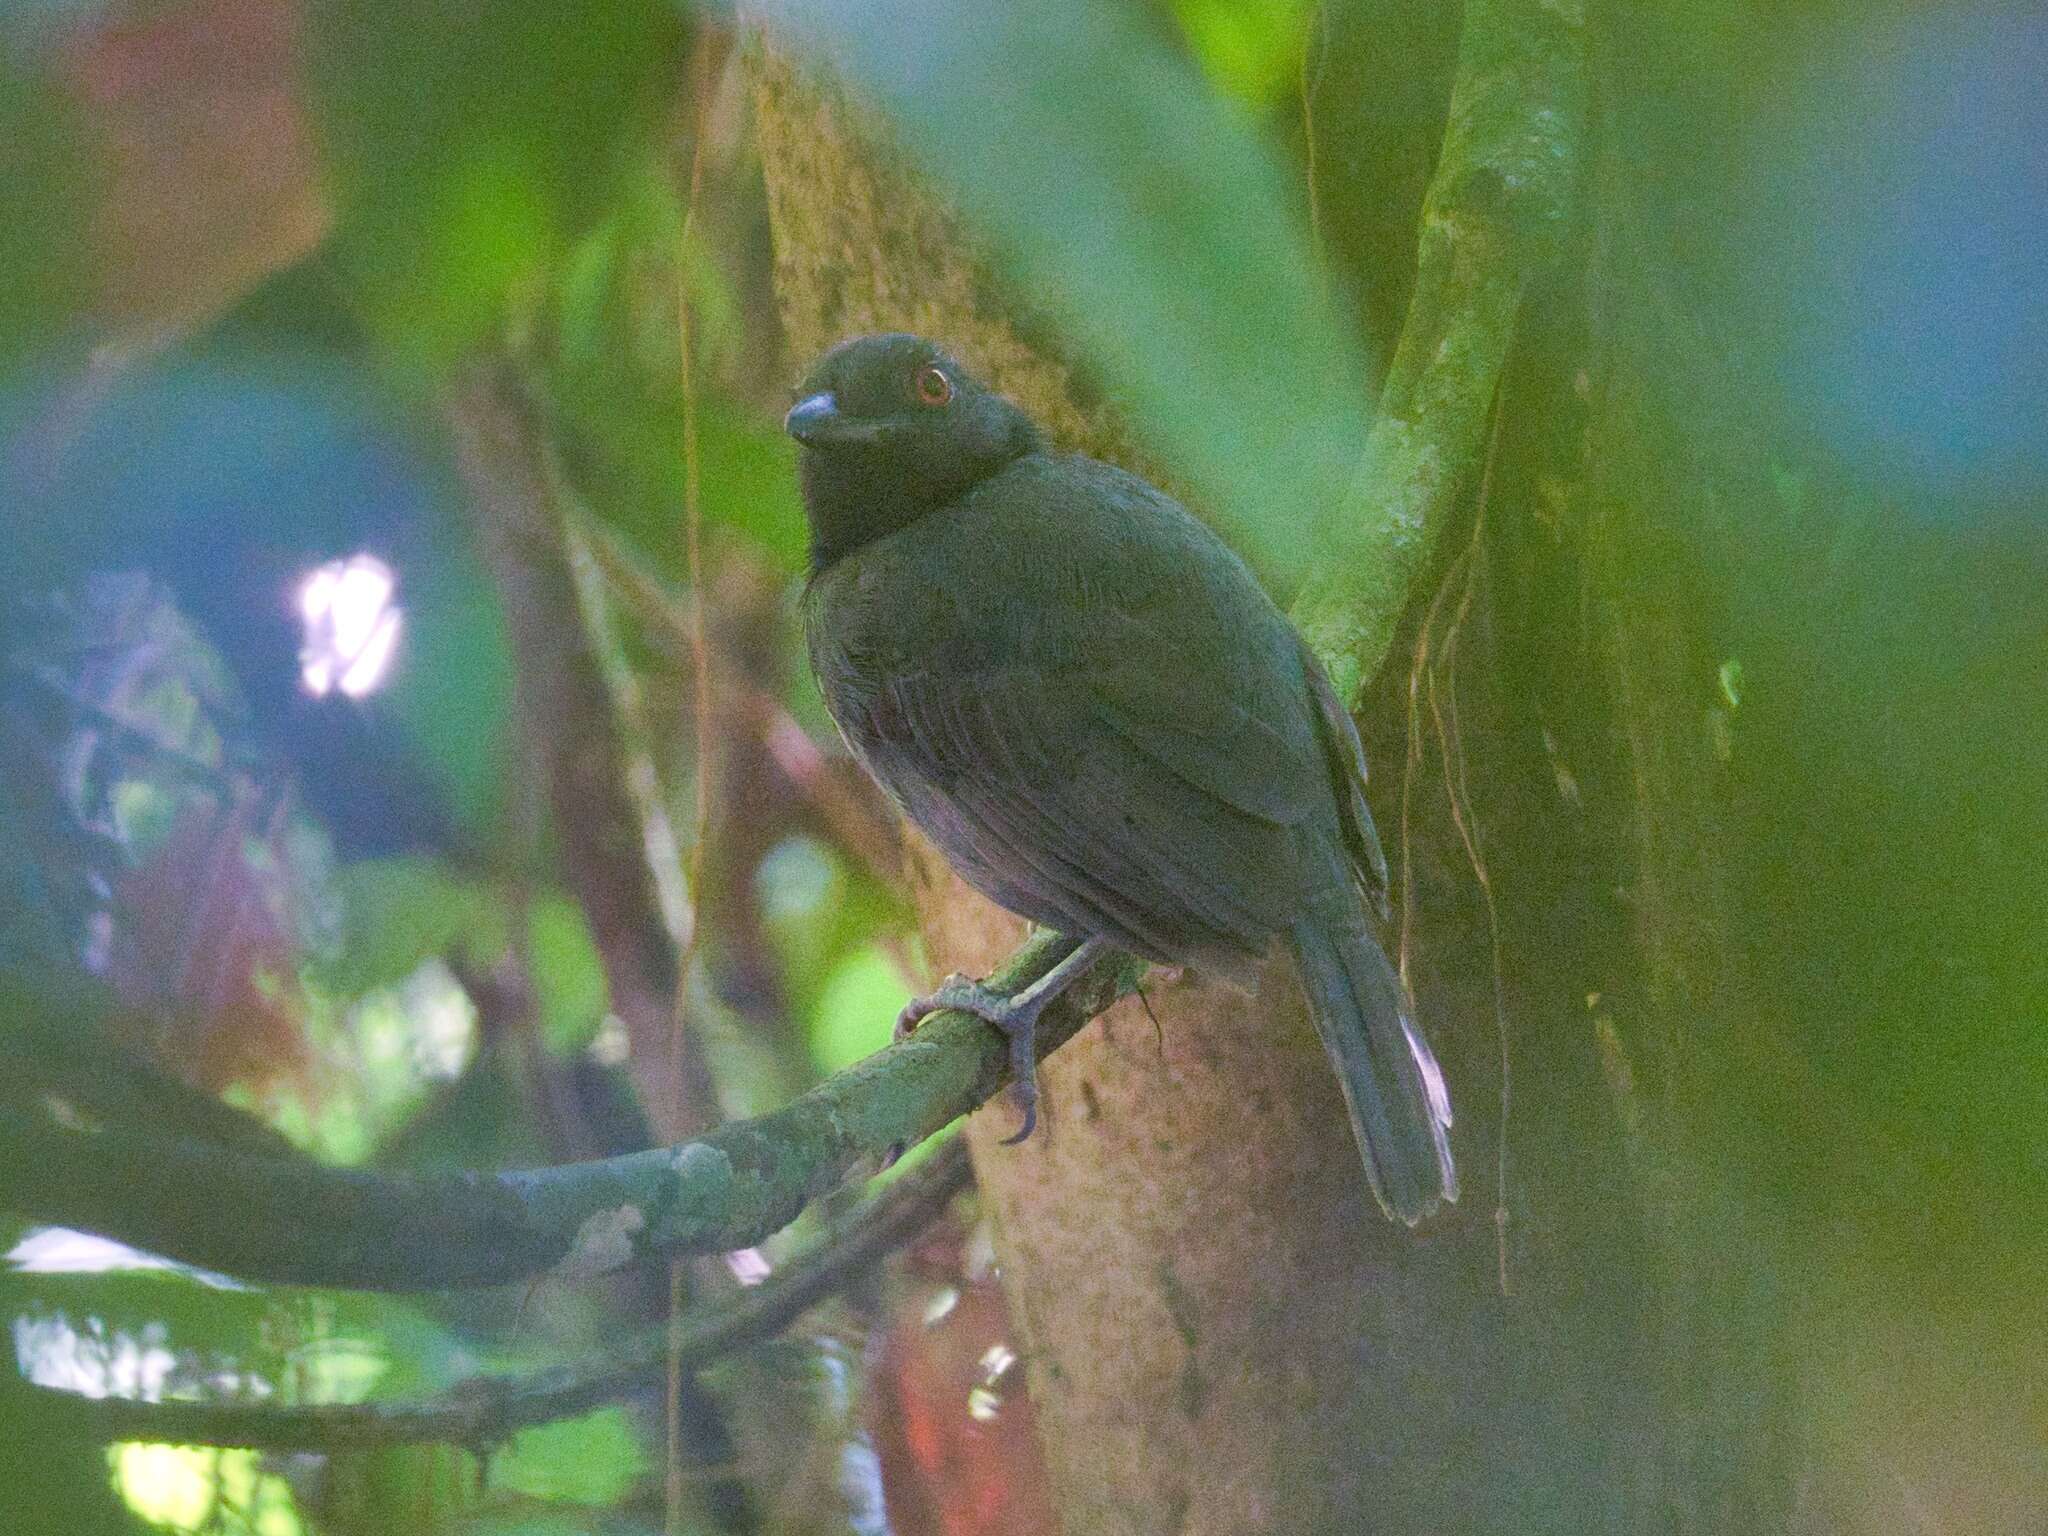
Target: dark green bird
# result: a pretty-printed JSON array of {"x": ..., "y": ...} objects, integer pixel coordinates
[{"x": 1092, "y": 708}]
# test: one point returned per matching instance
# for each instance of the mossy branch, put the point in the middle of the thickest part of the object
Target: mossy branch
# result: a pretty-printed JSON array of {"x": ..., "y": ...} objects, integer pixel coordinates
[
  {"x": 1495, "y": 215},
  {"x": 482, "y": 1412},
  {"x": 296, "y": 1222}
]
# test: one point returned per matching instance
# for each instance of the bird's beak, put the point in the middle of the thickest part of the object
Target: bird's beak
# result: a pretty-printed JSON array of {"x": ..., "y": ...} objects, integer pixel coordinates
[{"x": 817, "y": 422}]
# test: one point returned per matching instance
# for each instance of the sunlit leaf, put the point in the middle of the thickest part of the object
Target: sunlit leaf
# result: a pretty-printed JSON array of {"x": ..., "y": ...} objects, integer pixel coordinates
[
  {"x": 1252, "y": 50},
  {"x": 169, "y": 1485}
]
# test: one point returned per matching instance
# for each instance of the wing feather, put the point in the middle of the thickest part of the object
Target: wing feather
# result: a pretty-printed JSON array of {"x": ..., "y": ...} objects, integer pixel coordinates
[{"x": 1052, "y": 809}]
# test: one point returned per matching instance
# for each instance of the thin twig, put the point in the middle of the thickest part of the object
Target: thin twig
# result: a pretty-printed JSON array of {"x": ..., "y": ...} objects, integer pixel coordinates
[
  {"x": 596, "y": 780},
  {"x": 693, "y": 547},
  {"x": 700, "y": 671},
  {"x": 859, "y": 827}
]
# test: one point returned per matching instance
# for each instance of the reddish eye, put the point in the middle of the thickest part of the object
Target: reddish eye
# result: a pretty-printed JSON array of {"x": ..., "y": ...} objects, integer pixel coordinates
[{"x": 932, "y": 386}]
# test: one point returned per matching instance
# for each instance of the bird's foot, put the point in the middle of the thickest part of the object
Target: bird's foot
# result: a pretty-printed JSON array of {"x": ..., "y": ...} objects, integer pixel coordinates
[
  {"x": 914, "y": 1011},
  {"x": 1016, "y": 1017}
]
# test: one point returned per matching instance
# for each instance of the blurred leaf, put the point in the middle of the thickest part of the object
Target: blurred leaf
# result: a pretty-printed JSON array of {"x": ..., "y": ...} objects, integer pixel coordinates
[
  {"x": 819, "y": 913},
  {"x": 1144, "y": 214},
  {"x": 616, "y": 379},
  {"x": 399, "y": 912},
  {"x": 471, "y": 142},
  {"x": 417, "y": 1352},
  {"x": 46, "y": 265},
  {"x": 568, "y": 975},
  {"x": 158, "y": 1332},
  {"x": 855, "y": 1007},
  {"x": 452, "y": 692},
  {"x": 98, "y": 1332},
  {"x": 169, "y": 1485},
  {"x": 402, "y": 912},
  {"x": 592, "y": 1460},
  {"x": 1251, "y": 48}
]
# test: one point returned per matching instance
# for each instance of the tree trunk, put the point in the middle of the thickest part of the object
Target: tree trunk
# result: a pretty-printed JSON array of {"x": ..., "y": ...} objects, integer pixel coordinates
[{"x": 1223, "y": 1334}]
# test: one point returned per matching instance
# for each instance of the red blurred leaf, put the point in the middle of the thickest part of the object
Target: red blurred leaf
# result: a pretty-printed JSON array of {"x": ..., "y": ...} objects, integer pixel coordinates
[
  {"x": 204, "y": 948},
  {"x": 948, "y": 1469},
  {"x": 210, "y": 171}
]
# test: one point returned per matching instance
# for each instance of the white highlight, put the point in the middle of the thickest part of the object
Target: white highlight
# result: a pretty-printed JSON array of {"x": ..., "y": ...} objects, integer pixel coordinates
[
  {"x": 603, "y": 1243},
  {"x": 92, "y": 1361},
  {"x": 941, "y": 1303},
  {"x": 352, "y": 626},
  {"x": 996, "y": 1360},
  {"x": 61, "y": 1251}
]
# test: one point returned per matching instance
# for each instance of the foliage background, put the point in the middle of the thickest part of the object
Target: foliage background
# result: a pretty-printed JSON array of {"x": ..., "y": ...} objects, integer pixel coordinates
[{"x": 267, "y": 271}]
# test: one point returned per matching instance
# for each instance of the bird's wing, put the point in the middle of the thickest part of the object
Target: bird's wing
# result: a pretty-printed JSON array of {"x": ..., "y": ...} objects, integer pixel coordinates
[
  {"x": 1075, "y": 814},
  {"x": 1211, "y": 714}
]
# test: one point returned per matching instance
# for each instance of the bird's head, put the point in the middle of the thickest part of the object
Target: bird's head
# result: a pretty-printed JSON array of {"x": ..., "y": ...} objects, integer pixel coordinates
[{"x": 891, "y": 429}]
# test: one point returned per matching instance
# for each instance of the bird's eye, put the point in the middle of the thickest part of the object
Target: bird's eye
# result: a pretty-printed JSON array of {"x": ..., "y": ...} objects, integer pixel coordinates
[{"x": 931, "y": 386}]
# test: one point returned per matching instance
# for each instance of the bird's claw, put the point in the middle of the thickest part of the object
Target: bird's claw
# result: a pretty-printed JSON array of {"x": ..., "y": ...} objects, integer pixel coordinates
[
  {"x": 1017, "y": 1020},
  {"x": 1024, "y": 1094},
  {"x": 913, "y": 1012}
]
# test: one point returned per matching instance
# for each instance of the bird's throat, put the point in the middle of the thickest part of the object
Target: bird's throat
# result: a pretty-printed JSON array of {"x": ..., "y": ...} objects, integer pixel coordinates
[{"x": 850, "y": 500}]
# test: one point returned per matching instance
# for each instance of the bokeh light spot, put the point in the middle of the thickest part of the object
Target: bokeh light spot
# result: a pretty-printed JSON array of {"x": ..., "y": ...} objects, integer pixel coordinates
[{"x": 352, "y": 626}]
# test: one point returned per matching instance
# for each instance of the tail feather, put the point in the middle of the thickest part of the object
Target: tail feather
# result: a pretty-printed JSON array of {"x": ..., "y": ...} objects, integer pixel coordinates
[{"x": 1400, "y": 1109}]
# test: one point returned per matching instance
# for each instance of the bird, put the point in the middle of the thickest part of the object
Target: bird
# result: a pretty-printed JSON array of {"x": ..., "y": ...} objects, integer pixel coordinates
[{"x": 1087, "y": 702}]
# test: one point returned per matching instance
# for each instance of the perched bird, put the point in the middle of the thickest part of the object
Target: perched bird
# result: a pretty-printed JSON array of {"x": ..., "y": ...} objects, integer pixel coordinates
[{"x": 1088, "y": 703}]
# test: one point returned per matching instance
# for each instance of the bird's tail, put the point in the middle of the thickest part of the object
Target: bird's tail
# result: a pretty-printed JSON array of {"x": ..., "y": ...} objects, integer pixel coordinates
[{"x": 1400, "y": 1109}]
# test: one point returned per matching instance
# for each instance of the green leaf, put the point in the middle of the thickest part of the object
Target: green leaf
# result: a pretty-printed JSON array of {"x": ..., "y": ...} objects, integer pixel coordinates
[
  {"x": 453, "y": 695},
  {"x": 855, "y": 1005},
  {"x": 819, "y": 913},
  {"x": 1250, "y": 48},
  {"x": 398, "y": 912},
  {"x": 471, "y": 142},
  {"x": 616, "y": 378},
  {"x": 592, "y": 1460},
  {"x": 568, "y": 974}
]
